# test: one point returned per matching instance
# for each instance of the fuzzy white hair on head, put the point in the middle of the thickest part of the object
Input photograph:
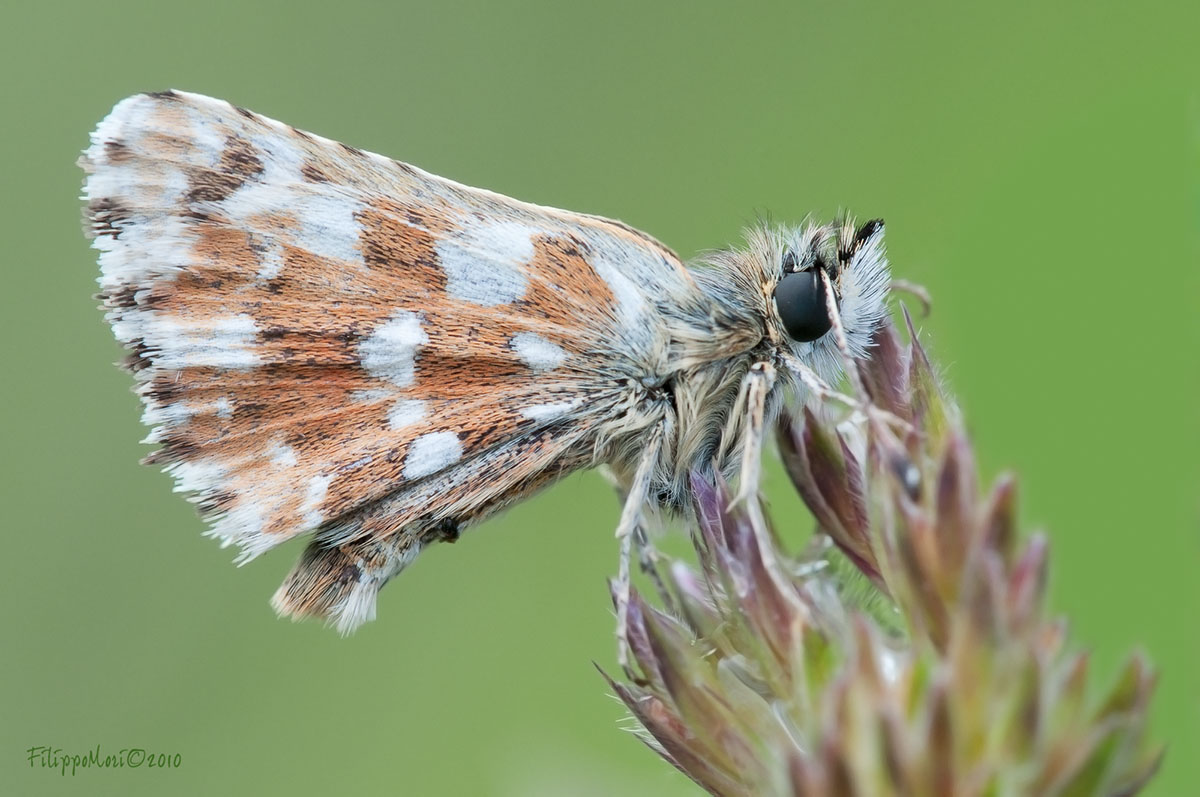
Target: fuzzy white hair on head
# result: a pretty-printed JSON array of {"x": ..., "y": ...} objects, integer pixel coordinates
[{"x": 863, "y": 283}]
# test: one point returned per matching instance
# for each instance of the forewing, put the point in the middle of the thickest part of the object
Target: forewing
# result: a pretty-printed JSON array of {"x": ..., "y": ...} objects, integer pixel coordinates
[{"x": 324, "y": 337}]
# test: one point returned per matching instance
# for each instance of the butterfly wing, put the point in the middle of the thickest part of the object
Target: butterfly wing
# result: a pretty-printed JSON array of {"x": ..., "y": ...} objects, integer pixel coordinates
[{"x": 329, "y": 340}]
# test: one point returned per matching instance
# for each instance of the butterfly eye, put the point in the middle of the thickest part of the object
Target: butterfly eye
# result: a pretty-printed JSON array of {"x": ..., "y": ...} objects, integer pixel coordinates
[{"x": 800, "y": 300}]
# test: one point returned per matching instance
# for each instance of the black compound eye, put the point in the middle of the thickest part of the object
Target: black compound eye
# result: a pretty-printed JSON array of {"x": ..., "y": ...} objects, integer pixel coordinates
[{"x": 800, "y": 299}]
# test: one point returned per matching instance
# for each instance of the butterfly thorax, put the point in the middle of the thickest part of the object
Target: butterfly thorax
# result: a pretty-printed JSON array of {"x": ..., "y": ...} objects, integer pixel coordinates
[{"x": 710, "y": 339}]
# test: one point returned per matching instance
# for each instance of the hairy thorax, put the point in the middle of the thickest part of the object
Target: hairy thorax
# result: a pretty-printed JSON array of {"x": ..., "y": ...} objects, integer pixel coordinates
[{"x": 696, "y": 407}]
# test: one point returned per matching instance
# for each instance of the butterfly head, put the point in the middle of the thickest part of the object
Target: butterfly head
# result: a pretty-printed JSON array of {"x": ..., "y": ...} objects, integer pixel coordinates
[{"x": 844, "y": 258}]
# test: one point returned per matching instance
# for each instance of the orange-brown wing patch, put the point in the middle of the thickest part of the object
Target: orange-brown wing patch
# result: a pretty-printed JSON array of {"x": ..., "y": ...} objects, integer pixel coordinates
[{"x": 316, "y": 330}]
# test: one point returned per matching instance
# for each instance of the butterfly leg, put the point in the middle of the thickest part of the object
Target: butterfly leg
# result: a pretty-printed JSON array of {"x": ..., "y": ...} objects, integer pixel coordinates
[
  {"x": 880, "y": 419},
  {"x": 815, "y": 384},
  {"x": 756, "y": 387},
  {"x": 648, "y": 564},
  {"x": 627, "y": 530},
  {"x": 823, "y": 392},
  {"x": 647, "y": 555}
]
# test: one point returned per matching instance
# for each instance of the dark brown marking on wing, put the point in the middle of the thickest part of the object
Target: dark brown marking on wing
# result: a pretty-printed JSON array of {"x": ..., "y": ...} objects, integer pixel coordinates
[
  {"x": 313, "y": 173},
  {"x": 239, "y": 163},
  {"x": 394, "y": 239},
  {"x": 567, "y": 284},
  {"x": 117, "y": 152}
]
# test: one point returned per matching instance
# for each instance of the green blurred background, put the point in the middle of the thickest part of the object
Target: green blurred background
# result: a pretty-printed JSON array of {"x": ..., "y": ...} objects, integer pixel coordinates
[{"x": 1037, "y": 168}]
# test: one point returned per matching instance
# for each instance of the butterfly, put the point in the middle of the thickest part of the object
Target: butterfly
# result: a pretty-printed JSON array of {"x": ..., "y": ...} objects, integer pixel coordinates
[{"x": 334, "y": 343}]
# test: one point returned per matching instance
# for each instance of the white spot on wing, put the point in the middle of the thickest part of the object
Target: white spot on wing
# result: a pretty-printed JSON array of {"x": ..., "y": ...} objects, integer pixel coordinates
[
  {"x": 391, "y": 350},
  {"x": 272, "y": 262},
  {"x": 485, "y": 263},
  {"x": 371, "y": 394},
  {"x": 145, "y": 248},
  {"x": 546, "y": 412},
  {"x": 282, "y": 455},
  {"x": 537, "y": 352},
  {"x": 638, "y": 276},
  {"x": 327, "y": 226},
  {"x": 310, "y": 510},
  {"x": 221, "y": 342},
  {"x": 632, "y": 306},
  {"x": 197, "y": 476},
  {"x": 430, "y": 453},
  {"x": 180, "y": 412},
  {"x": 207, "y": 141},
  {"x": 325, "y": 223},
  {"x": 406, "y": 412}
]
